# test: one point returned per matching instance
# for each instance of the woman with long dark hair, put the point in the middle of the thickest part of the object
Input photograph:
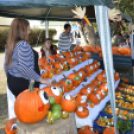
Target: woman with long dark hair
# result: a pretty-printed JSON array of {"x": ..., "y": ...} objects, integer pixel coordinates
[{"x": 21, "y": 61}]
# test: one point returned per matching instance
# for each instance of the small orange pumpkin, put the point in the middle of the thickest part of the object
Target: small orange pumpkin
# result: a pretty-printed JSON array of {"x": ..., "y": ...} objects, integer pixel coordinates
[
  {"x": 52, "y": 59},
  {"x": 31, "y": 105},
  {"x": 75, "y": 79},
  {"x": 101, "y": 92},
  {"x": 98, "y": 48},
  {"x": 68, "y": 103},
  {"x": 89, "y": 69},
  {"x": 116, "y": 76},
  {"x": 72, "y": 62},
  {"x": 88, "y": 55},
  {"x": 67, "y": 55},
  {"x": 44, "y": 73},
  {"x": 100, "y": 55},
  {"x": 104, "y": 87},
  {"x": 11, "y": 126},
  {"x": 95, "y": 98},
  {"x": 77, "y": 48},
  {"x": 97, "y": 65},
  {"x": 96, "y": 82},
  {"x": 81, "y": 99},
  {"x": 67, "y": 84},
  {"x": 87, "y": 130},
  {"x": 109, "y": 130},
  {"x": 60, "y": 58},
  {"x": 55, "y": 92},
  {"x": 42, "y": 62},
  {"x": 82, "y": 74},
  {"x": 82, "y": 112},
  {"x": 86, "y": 48},
  {"x": 58, "y": 68},
  {"x": 50, "y": 69}
]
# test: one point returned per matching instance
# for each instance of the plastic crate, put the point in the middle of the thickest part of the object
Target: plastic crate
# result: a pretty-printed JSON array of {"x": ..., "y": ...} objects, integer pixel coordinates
[{"x": 100, "y": 129}]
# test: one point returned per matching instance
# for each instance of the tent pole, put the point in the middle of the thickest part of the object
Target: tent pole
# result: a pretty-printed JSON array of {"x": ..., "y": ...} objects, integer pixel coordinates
[
  {"x": 47, "y": 28},
  {"x": 101, "y": 13}
]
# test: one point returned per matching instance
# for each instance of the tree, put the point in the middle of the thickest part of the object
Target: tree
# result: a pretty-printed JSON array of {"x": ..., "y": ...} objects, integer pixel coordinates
[{"x": 126, "y": 6}]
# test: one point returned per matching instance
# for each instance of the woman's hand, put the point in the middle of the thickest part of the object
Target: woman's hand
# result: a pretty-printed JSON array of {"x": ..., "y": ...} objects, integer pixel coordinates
[{"x": 43, "y": 81}]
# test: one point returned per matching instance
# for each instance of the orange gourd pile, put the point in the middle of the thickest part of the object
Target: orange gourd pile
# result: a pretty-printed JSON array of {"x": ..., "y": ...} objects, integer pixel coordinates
[
  {"x": 121, "y": 51},
  {"x": 54, "y": 65}
]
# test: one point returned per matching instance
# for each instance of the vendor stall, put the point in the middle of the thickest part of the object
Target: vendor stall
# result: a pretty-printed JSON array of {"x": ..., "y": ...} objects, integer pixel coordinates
[{"x": 57, "y": 10}]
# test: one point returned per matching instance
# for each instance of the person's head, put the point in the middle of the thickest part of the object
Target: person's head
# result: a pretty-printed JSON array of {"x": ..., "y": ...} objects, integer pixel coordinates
[
  {"x": 48, "y": 43},
  {"x": 19, "y": 30},
  {"x": 67, "y": 28}
]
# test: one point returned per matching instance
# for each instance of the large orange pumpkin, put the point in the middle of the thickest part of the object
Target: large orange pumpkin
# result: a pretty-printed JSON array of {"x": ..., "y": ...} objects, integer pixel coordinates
[
  {"x": 115, "y": 50},
  {"x": 55, "y": 92},
  {"x": 31, "y": 105},
  {"x": 11, "y": 126},
  {"x": 82, "y": 112},
  {"x": 68, "y": 103},
  {"x": 81, "y": 99},
  {"x": 75, "y": 79},
  {"x": 87, "y": 130},
  {"x": 123, "y": 51}
]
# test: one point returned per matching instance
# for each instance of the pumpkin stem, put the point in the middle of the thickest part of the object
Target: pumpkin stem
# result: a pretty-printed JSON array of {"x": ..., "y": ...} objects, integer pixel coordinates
[
  {"x": 74, "y": 71},
  {"x": 31, "y": 85},
  {"x": 83, "y": 85}
]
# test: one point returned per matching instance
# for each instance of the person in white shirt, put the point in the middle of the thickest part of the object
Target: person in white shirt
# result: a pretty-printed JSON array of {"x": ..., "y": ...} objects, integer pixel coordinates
[{"x": 65, "y": 39}]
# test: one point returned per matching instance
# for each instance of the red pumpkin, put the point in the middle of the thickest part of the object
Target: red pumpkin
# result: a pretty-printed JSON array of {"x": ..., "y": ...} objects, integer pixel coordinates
[
  {"x": 75, "y": 79},
  {"x": 82, "y": 112},
  {"x": 11, "y": 126},
  {"x": 68, "y": 103},
  {"x": 81, "y": 99},
  {"x": 58, "y": 68},
  {"x": 55, "y": 92},
  {"x": 31, "y": 105},
  {"x": 95, "y": 98},
  {"x": 87, "y": 130}
]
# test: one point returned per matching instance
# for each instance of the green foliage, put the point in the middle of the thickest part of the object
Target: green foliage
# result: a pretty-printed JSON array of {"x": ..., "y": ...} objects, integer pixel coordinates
[
  {"x": 126, "y": 6},
  {"x": 33, "y": 36}
]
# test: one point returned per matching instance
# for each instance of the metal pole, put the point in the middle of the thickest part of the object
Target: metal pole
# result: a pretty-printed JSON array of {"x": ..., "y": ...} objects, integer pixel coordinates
[{"x": 47, "y": 28}]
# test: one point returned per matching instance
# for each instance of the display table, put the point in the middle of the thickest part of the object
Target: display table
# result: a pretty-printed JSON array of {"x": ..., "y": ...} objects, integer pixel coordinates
[
  {"x": 61, "y": 126},
  {"x": 93, "y": 112}
]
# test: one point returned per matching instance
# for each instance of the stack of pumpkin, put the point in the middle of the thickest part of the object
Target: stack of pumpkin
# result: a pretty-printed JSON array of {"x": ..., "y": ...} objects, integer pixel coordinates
[
  {"x": 74, "y": 79},
  {"x": 54, "y": 65},
  {"x": 97, "y": 90},
  {"x": 121, "y": 51}
]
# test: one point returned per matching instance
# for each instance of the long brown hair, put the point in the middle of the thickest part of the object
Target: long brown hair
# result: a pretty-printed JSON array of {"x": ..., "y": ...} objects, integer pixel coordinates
[{"x": 18, "y": 32}]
